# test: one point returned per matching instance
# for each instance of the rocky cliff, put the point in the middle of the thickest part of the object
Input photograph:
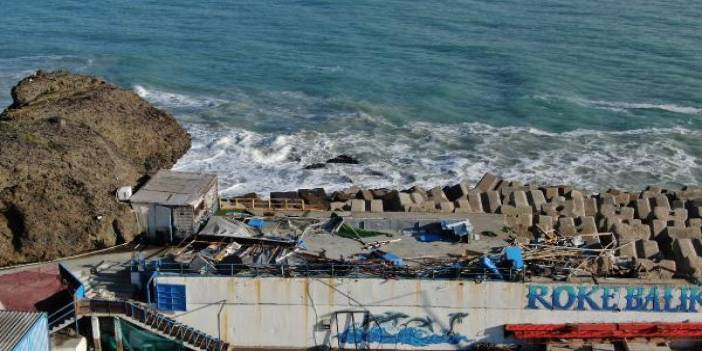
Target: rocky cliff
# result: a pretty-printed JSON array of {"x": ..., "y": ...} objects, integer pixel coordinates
[{"x": 66, "y": 144}]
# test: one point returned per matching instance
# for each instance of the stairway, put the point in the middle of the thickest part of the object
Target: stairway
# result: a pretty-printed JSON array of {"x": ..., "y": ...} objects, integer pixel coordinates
[
  {"x": 155, "y": 322},
  {"x": 62, "y": 318}
]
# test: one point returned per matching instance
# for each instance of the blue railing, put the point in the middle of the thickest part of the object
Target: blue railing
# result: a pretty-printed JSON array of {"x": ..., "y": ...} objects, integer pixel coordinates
[{"x": 343, "y": 270}]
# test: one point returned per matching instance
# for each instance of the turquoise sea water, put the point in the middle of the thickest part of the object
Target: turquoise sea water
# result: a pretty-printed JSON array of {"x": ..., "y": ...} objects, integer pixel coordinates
[{"x": 596, "y": 93}]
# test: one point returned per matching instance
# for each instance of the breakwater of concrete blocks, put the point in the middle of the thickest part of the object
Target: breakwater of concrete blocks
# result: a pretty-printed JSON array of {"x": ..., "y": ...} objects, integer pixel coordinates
[{"x": 657, "y": 229}]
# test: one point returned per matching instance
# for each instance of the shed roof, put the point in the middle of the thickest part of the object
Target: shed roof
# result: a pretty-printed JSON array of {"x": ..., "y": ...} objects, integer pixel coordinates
[
  {"x": 171, "y": 188},
  {"x": 14, "y": 325}
]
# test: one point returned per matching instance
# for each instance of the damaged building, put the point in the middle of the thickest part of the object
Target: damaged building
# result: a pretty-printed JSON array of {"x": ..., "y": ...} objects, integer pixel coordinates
[{"x": 173, "y": 205}]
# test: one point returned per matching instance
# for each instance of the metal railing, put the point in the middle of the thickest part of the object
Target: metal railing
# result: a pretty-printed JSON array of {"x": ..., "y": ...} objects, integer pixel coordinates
[
  {"x": 269, "y": 204},
  {"x": 343, "y": 270},
  {"x": 61, "y": 315}
]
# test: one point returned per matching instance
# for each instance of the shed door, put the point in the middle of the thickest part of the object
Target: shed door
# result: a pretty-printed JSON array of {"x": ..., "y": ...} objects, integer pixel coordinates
[{"x": 162, "y": 222}]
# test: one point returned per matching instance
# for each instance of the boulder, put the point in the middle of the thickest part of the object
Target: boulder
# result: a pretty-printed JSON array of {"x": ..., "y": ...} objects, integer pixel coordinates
[
  {"x": 67, "y": 143},
  {"x": 343, "y": 158}
]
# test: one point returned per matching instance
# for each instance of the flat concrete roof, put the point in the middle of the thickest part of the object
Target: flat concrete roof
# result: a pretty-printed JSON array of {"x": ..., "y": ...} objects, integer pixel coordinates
[{"x": 171, "y": 188}]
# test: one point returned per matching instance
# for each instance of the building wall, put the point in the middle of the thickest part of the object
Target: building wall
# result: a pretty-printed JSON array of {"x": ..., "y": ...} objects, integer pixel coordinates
[
  {"x": 183, "y": 219},
  {"x": 411, "y": 314}
]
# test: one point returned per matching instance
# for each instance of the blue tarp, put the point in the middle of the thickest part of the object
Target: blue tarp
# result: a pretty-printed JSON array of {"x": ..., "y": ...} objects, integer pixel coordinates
[
  {"x": 390, "y": 257},
  {"x": 514, "y": 254},
  {"x": 459, "y": 228},
  {"x": 257, "y": 223},
  {"x": 427, "y": 237},
  {"x": 490, "y": 265}
]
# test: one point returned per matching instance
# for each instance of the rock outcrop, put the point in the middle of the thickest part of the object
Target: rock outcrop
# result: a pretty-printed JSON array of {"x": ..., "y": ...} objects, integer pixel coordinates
[{"x": 66, "y": 144}]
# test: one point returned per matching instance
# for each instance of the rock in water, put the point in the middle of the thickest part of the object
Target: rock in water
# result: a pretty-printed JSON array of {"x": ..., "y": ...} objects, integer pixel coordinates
[
  {"x": 343, "y": 159},
  {"x": 66, "y": 144}
]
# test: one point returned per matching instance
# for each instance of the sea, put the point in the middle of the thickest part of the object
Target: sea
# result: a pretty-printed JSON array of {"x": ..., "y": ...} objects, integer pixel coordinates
[{"x": 595, "y": 93}]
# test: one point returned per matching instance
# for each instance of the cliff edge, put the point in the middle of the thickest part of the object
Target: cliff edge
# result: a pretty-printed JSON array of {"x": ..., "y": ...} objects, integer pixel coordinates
[{"x": 67, "y": 143}]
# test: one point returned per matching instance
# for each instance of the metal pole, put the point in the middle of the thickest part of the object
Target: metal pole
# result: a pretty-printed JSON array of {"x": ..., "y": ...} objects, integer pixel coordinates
[
  {"x": 95, "y": 329},
  {"x": 118, "y": 334}
]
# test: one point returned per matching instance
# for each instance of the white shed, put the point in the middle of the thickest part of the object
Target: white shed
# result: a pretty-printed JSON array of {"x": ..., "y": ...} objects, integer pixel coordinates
[{"x": 172, "y": 205}]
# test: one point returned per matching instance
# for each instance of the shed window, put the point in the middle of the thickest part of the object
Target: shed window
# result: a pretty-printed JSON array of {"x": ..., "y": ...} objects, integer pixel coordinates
[{"x": 170, "y": 297}]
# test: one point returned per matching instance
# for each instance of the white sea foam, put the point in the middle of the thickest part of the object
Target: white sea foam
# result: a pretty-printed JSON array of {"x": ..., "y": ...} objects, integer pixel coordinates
[
  {"x": 623, "y": 106},
  {"x": 175, "y": 100},
  {"x": 430, "y": 154}
]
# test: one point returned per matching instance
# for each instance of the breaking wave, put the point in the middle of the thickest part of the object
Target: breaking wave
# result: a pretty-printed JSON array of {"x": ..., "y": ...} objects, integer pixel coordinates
[
  {"x": 174, "y": 100},
  {"x": 430, "y": 154},
  {"x": 624, "y": 106}
]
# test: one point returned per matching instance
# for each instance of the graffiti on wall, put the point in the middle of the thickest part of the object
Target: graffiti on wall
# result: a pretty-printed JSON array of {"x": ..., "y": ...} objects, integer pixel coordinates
[
  {"x": 607, "y": 298},
  {"x": 399, "y": 328}
]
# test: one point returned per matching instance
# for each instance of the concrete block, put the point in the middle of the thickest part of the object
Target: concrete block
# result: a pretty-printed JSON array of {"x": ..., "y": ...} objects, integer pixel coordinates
[
  {"x": 686, "y": 257},
  {"x": 694, "y": 222},
  {"x": 590, "y": 206},
  {"x": 620, "y": 197},
  {"x": 627, "y": 212},
  {"x": 519, "y": 199},
  {"x": 645, "y": 265},
  {"x": 364, "y": 194},
  {"x": 316, "y": 196},
  {"x": 437, "y": 194},
  {"x": 566, "y": 226},
  {"x": 627, "y": 249},
  {"x": 513, "y": 211},
  {"x": 574, "y": 208},
  {"x": 494, "y": 201},
  {"x": 546, "y": 223},
  {"x": 610, "y": 222},
  {"x": 376, "y": 206},
  {"x": 445, "y": 206},
  {"x": 684, "y": 232},
  {"x": 587, "y": 225},
  {"x": 416, "y": 208},
  {"x": 458, "y": 191},
  {"x": 660, "y": 200},
  {"x": 523, "y": 221},
  {"x": 678, "y": 203},
  {"x": 680, "y": 214},
  {"x": 647, "y": 249},
  {"x": 550, "y": 193},
  {"x": 488, "y": 182},
  {"x": 647, "y": 194},
  {"x": 550, "y": 209},
  {"x": 631, "y": 232},
  {"x": 428, "y": 206},
  {"x": 536, "y": 199},
  {"x": 476, "y": 203},
  {"x": 667, "y": 269},
  {"x": 417, "y": 192},
  {"x": 643, "y": 209},
  {"x": 658, "y": 228},
  {"x": 607, "y": 199},
  {"x": 608, "y": 209},
  {"x": 462, "y": 206},
  {"x": 358, "y": 205},
  {"x": 379, "y": 193},
  {"x": 397, "y": 201},
  {"x": 417, "y": 198},
  {"x": 337, "y": 206}
]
